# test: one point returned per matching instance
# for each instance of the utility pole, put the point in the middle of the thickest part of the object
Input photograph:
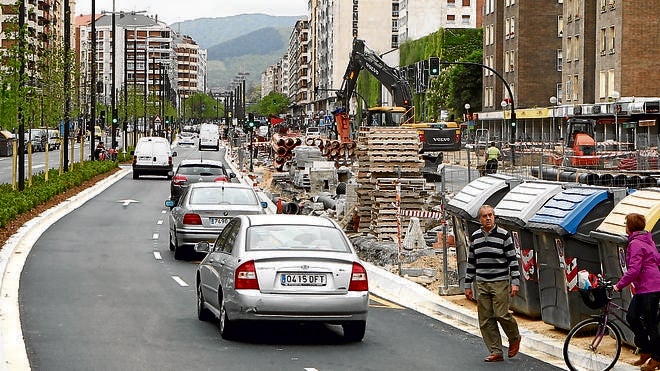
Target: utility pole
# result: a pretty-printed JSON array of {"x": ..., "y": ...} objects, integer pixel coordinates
[
  {"x": 21, "y": 72},
  {"x": 67, "y": 84},
  {"x": 113, "y": 100},
  {"x": 94, "y": 92}
]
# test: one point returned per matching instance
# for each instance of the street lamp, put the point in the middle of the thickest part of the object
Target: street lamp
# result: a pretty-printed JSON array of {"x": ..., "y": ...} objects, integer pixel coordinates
[
  {"x": 504, "y": 104},
  {"x": 467, "y": 148},
  {"x": 553, "y": 101},
  {"x": 616, "y": 95}
]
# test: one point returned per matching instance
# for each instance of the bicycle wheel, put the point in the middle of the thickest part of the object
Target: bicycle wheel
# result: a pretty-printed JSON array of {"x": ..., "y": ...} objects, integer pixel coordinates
[{"x": 590, "y": 345}]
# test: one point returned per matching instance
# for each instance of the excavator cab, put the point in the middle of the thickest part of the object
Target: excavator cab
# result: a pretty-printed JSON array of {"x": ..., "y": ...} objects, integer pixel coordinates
[{"x": 386, "y": 116}]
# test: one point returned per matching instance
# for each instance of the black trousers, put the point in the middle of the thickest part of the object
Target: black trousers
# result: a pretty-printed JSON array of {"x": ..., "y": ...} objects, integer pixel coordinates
[
  {"x": 642, "y": 317},
  {"x": 491, "y": 166}
]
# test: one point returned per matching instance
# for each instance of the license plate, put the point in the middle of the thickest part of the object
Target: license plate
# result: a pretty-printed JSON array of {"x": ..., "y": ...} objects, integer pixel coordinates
[
  {"x": 305, "y": 279},
  {"x": 218, "y": 221}
]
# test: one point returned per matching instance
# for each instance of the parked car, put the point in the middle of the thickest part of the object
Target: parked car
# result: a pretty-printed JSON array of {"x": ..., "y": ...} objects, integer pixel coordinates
[
  {"x": 38, "y": 138},
  {"x": 192, "y": 171},
  {"x": 313, "y": 131},
  {"x": 186, "y": 137},
  {"x": 282, "y": 267},
  {"x": 203, "y": 211},
  {"x": 54, "y": 141},
  {"x": 152, "y": 156}
]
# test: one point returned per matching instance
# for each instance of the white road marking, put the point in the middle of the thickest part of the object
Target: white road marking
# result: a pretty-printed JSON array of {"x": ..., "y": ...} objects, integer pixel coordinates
[
  {"x": 157, "y": 255},
  {"x": 127, "y": 202},
  {"x": 154, "y": 236},
  {"x": 180, "y": 281},
  {"x": 163, "y": 211},
  {"x": 311, "y": 369},
  {"x": 159, "y": 222}
]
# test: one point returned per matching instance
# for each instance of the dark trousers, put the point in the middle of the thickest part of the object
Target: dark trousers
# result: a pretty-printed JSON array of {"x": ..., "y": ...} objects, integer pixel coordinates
[
  {"x": 491, "y": 166},
  {"x": 642, "y": 317}
]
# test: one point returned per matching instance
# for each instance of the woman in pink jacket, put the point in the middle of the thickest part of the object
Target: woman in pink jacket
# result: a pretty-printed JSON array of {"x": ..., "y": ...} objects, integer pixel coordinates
[{"x": 643, "y": 262}]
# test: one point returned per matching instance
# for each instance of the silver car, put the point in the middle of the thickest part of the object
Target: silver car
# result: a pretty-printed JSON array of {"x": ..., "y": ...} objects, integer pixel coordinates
[
  {"x": 204, "y": 209},
  {"x": 282, "y": 267}
]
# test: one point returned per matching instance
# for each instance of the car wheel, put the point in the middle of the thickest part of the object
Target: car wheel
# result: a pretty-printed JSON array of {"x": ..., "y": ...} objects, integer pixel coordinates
[
  {"x": 179, "y": 254},
  {"x": 136, "y": 175},
  {"x": 354, "y": 330},
  {"x": 227, "y": 327},
  {"x": 203, "y": 314}
]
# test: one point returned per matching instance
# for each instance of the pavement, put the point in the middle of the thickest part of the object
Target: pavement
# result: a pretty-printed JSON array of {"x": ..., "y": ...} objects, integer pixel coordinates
[{"x": 382, "y": 283}]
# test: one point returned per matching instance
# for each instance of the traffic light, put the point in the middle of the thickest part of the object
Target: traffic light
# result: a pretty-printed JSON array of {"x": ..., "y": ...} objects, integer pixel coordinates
[
  {"x": 102, "y": 117},
  {"x": 114, "y": 117},
  {"x": 434, "y": 66}
]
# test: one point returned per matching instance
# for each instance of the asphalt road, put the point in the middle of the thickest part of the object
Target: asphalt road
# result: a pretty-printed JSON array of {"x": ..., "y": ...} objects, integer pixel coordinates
[{"x": 101, "y": 291}]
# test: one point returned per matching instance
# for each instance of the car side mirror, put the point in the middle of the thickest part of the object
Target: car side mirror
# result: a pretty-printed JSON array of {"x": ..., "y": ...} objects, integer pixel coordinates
[
  {"x": 232, "y": 175},
  {"x": 203, "y": 246},
  {"x": 170, "y": 203},
  {"x": 264, "y": 204},
  {"x": 174, "y": 154}
]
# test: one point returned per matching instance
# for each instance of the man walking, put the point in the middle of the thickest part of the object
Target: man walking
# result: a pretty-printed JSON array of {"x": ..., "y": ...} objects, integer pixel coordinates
[
  {"x": 492, "y": 157},
  {"x": 493, "y": 267}
]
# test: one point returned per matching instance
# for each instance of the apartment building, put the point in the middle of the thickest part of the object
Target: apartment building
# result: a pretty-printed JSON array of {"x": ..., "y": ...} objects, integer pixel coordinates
[
  {"x": 299, "y": 71},
  {"x": 44, "y": 22},
  {"x": 187, "y": 55},
  {"x": 413, "y": 19}
]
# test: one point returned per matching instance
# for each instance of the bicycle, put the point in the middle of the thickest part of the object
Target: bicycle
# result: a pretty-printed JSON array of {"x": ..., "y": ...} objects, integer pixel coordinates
[{"x": 595, "y": 343}]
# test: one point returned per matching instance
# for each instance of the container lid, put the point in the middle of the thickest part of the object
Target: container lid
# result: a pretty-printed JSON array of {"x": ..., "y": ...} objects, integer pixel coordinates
[
  {"x": 566, "y": 210},
  {"x": 645, "y": 202},
  {"x": 468, "y": 200},
  {"x": 524, "y": 200}
]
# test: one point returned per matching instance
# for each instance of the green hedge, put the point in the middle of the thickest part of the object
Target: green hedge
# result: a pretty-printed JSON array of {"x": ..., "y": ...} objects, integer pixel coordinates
[{"x": 14, "y": 202}]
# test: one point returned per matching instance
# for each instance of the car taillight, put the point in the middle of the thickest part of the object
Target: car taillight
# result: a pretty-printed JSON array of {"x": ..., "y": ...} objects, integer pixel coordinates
[
  {"x": 245, "y": 277},
  {"x": 192, "y": 219},
  {"x": 179, "y": 179},
  {"x": 422, "y": 137},
  {"x": 134, "y": 160},
  {"x": 169, "y": 160},
  {"x": 359, "y": 280},
  {"x": 221, "y": 178}
]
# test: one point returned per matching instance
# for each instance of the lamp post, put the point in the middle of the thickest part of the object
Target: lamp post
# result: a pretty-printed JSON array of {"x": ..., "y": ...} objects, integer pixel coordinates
[
  {"x": 616, "y": 95},
  {"x": 467, "y": 148},
  {"x": 553, "y": 101}
]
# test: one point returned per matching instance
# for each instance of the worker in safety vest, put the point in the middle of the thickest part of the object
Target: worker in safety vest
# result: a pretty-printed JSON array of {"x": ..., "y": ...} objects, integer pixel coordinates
[{"x": 492, "y": 156}]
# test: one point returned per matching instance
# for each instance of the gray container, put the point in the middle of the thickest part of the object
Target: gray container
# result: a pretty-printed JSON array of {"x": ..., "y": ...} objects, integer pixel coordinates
[
  {"x": 513, "y": 213},
  {"x": 613, "y": 240},
  {"x": 463, "y": 209},
  {"x": 563, "y": 246}
]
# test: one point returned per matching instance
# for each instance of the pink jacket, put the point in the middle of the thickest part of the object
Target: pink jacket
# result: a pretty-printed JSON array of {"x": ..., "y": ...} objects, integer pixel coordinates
[{"x": 643, "y": 262}]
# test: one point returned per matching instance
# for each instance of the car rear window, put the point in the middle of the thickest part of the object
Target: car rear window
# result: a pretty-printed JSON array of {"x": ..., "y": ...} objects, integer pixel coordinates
[
  {"x": 223, "y": 196},
  {"x": 295, "y": 237},
  {"x": 199, "y": 170}
]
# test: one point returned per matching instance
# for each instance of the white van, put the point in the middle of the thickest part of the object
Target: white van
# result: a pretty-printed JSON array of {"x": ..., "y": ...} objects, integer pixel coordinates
[
  {"x": 209, "y": 136},
  {"x": 152, "y": 156}
]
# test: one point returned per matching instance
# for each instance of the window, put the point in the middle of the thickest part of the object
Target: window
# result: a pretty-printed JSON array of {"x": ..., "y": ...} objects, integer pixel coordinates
[
  {"x": 465, "y": 19},
  {"x": 451, "y": 18},
  {"x": 512, "y": 31},
  {"x": 560, "y": 60},
  {"x": 451, "y": 2},
  {"x": 491, "y": 35},
  {"x": 576, "y": 83},
  {"x": 610, "y": 81},
  {"x": 603, "y": 41},
  {"x": 577, "y": 47},
  {"x": 466, "y": 2},
  {"x": 602, "y": 85},
  {"x": 569, "y": 49},
  {"x": 569, "y": 89},
  {"x": 560, "y": 92},
  {"x": 560, "y": 26},
  {"x": 611, "y": 39},
  {"x": 507, "y": 27}
]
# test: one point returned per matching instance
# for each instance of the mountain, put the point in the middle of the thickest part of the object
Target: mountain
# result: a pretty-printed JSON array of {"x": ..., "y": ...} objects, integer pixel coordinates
[
  {"x": 242, "y": 43},
  {"x": 212, "y": 31}
]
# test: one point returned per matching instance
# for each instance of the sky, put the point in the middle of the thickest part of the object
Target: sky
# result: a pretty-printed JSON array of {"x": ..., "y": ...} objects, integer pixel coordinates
[{"x": 171, "y": 11}]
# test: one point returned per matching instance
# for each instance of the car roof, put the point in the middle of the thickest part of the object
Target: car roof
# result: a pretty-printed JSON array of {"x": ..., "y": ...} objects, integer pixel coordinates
[
  {"x": 289, "y": 219},
  {"x": 219, "y": 185},
  {"x": 201, "y": 162}
]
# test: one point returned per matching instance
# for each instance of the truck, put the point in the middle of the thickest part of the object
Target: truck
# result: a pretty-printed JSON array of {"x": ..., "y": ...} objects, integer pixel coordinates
[{"x": 435, "y": 137}]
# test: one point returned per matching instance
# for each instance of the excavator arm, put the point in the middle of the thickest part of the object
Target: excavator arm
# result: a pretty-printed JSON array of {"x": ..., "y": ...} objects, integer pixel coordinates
[{"x": 364, "y": 58}]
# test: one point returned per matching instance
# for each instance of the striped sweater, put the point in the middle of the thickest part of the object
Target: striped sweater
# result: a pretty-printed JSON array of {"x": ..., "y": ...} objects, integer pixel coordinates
[{"x": 492, "y": 257}]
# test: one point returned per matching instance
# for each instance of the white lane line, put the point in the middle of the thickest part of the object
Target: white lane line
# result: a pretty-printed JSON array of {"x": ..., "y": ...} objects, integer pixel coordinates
[
  {"x": 311, "y": 369},
  {"x": 157, "y": 255},
  {"x": 163, "y": 211},
  {"x": 180, "y": 281},
  {"x": 154, "y": 236},
  {"x": 159, "y": 222}
]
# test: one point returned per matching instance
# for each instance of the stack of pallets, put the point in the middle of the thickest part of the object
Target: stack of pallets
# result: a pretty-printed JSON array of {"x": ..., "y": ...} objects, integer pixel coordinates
[{"x": 387, "y": 156}]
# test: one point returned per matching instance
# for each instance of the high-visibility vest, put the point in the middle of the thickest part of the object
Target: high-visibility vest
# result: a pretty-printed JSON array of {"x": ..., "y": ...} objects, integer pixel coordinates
[{"x": 493, "y": 153}]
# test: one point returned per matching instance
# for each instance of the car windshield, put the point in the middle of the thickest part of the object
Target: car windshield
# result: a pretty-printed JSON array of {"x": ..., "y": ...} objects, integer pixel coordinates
[
  {"x": 222, "y": 196},
  {"x": 200, "y": 170},
  {"x": 295, "y": 237}
]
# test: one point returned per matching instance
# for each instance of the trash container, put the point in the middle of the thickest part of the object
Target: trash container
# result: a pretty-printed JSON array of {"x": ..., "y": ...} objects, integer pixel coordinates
[
  {"x": 513, "y": 213},
  {"x": 6, "y": 143},
  {"x": 561, "y": 234},
  {"x": 464, "y": 207},
  {"x": 613, "y": 240}
]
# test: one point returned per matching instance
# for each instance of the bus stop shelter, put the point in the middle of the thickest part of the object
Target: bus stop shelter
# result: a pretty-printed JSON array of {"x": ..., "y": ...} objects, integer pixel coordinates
[
  {"x": 513, "y": 213},
  {"x": 463, "y": 210},
  {"x": 563, "y": 244},
  {"x": 613, "y": 240}
]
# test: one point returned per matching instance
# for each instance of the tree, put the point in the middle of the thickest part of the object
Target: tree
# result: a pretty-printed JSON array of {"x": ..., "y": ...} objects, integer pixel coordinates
[{"x": 272, "y": 104}]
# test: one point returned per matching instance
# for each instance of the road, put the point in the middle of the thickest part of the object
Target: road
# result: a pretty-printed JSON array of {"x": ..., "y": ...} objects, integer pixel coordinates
[{"x": 101, "y": 290}]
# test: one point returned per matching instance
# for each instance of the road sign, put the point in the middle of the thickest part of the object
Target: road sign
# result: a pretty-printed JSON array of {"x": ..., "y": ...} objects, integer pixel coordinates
[{"x": 157, "y": 120}]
